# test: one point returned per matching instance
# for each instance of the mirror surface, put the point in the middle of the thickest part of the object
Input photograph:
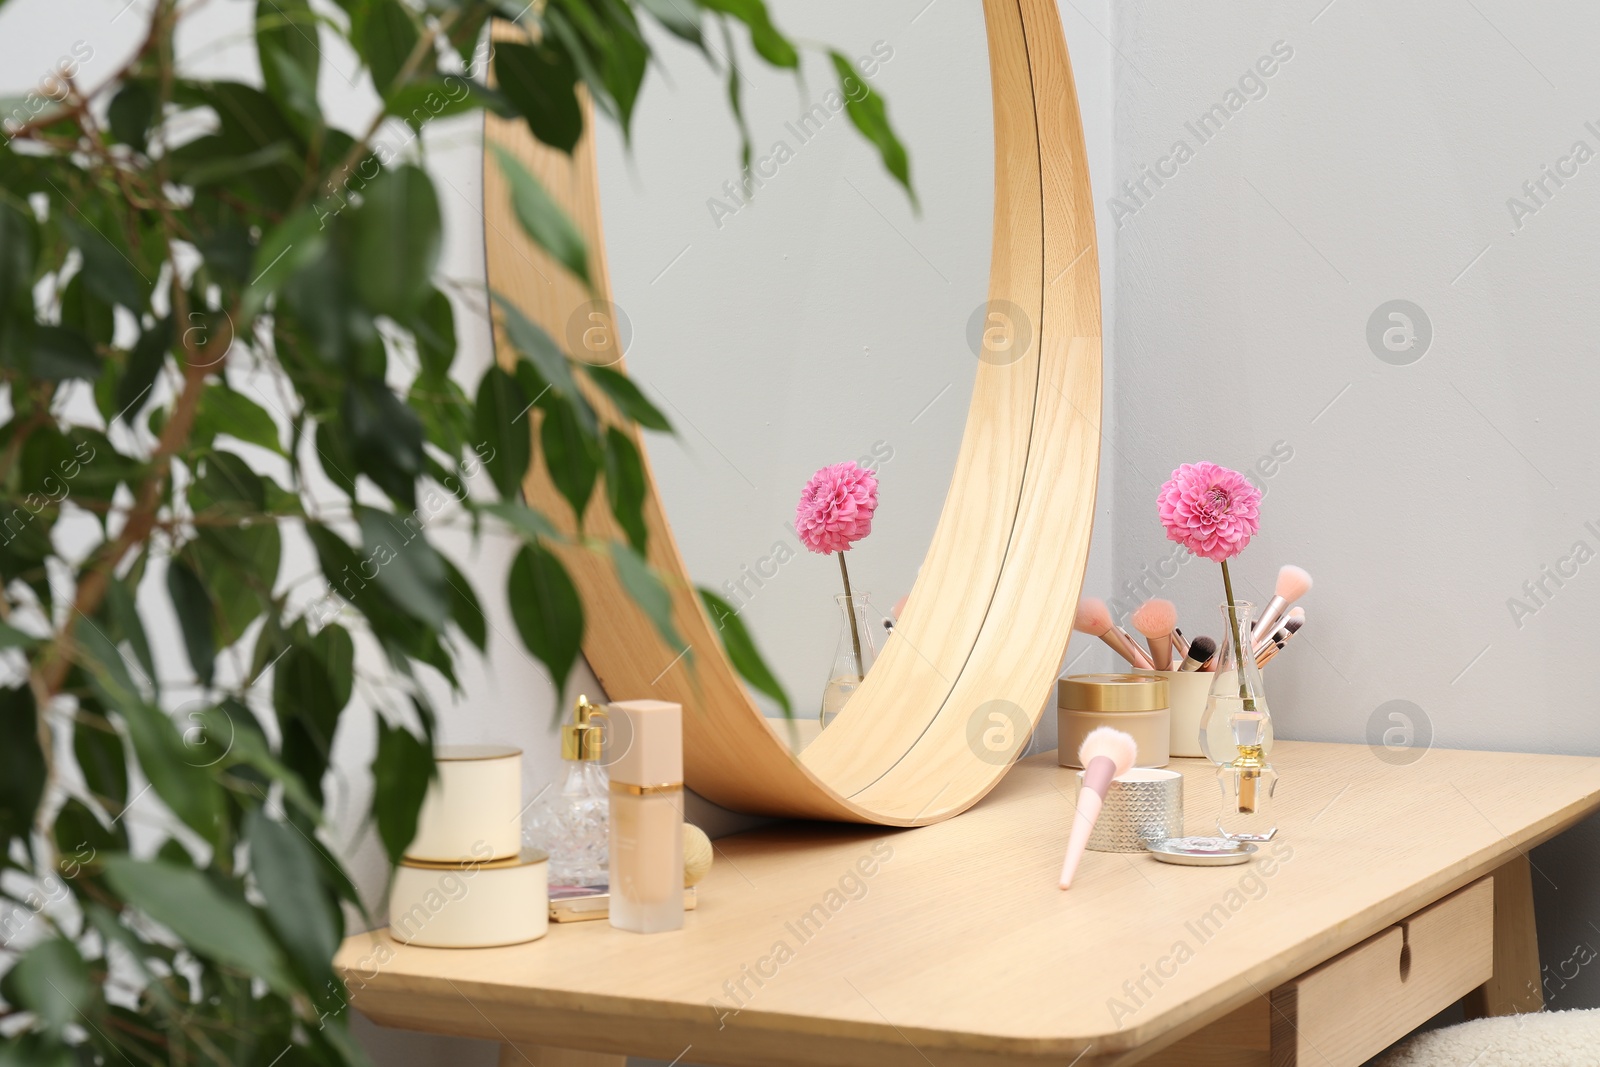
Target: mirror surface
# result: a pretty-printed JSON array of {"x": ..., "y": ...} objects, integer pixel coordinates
[{"x": 815, "y": 321}]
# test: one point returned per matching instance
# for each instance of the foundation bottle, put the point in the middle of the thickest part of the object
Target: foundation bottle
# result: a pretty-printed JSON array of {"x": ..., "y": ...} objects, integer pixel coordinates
[{"x": 646, "y": 823}]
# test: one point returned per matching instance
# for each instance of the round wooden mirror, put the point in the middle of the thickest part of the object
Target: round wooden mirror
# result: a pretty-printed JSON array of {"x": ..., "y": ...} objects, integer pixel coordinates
[{"x": 967, "y": 671}]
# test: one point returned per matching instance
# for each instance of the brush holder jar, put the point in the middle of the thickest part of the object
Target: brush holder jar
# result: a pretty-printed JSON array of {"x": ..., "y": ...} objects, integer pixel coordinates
[
  {"x": 1146, "y": 804},
  {"x": 1187, "y": 693},
  {"x": 1132, "y": 703}
]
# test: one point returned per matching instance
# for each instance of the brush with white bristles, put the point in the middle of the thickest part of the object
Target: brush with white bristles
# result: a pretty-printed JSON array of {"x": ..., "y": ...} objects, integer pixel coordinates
[
  {"x": 1094, "y": 618},
  {"x": 1293, "y": 583},
  {"x": 1156, "y": 620},
  {"x": 1106, "y": 753}
]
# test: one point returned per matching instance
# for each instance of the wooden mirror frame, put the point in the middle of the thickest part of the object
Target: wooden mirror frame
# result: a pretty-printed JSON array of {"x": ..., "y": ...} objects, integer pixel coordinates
[{"x": 973, "y": 659}]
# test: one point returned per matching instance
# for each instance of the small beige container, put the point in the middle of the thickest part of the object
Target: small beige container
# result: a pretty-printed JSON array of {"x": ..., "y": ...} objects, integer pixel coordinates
[
  {"x": 473, "y": 810},
  {"x": 471, "y": 904},
  {"x": 1133, "y": 703},
  {"x": 1145, "y": 804}
]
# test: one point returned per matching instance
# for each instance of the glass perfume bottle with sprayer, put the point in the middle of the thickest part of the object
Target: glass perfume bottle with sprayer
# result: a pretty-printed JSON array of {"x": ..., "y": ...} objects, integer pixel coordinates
[{"x": 571, "y": 823}]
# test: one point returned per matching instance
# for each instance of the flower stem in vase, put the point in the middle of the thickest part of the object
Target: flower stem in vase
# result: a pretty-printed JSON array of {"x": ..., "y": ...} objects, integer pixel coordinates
[
  {"x": 850, "y": 610},
  {"x": 1240, "y": 648}
]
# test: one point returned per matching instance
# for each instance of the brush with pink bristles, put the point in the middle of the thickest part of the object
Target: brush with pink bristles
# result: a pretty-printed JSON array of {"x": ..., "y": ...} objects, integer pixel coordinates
[
  {"x": 1106, "y": 753},
  {"x": 1156, "y": 620},
  {"x": 1293, "y": 583},
  {"x": 1094, "y": 618}
]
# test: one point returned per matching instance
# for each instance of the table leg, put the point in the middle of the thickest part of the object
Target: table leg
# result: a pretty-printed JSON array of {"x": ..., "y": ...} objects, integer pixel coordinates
[
  {"x": 539, "y": 1056},
  {"x": 1517, "y": 983}
]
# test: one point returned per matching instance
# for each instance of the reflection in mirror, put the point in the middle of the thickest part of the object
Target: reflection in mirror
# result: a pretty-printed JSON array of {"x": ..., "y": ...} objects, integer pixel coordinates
[{"x": 806, "y": 316}]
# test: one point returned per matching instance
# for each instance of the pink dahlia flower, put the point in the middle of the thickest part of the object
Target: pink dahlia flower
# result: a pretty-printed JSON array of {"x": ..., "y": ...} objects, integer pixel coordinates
[
  {"x": 1210, "y": 510},
  {"x": 836, "y": 507}
]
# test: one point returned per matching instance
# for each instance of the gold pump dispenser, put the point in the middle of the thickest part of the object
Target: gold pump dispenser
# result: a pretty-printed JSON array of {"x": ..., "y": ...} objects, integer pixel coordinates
[{"x": 583, "y": 738}]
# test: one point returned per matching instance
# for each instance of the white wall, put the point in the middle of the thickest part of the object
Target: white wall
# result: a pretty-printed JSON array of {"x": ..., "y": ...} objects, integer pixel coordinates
[{"x": 1378, "y": 167}]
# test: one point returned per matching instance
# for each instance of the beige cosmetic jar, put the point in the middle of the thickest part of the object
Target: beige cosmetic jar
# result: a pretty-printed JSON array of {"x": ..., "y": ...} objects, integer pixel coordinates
[{"x": 1135, "y": 704}]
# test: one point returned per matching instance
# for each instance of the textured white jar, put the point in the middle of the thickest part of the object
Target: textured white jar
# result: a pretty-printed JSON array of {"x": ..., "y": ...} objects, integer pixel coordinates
[
  {"x": 473, "y": 810},
  {"x": 471, "y": 905}
]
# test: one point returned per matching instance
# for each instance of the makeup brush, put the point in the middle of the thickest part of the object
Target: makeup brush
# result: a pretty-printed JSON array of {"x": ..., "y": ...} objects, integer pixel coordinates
[
  {"x": 1290, "y": 628},
  {"x": 1155, "y": 619},
  {"x": 1293, "y": 583},
  {"x": 1180, "y": 646},
  {"x": 1105, "y": 754},
  {"x": 1094, "y": 618},
  {"x": 1200, "y": 653}
]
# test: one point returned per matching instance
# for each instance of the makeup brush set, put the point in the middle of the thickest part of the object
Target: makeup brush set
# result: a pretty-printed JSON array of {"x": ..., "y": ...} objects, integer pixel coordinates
[{"x": 1170, "y": 650}]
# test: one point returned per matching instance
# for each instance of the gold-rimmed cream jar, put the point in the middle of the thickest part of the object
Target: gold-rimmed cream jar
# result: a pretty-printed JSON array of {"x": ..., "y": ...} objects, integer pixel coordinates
[
  {"x": 1135, "y": 704},
  {"x": 471, "y": 903},
  {"x": 473, "y": 810}
]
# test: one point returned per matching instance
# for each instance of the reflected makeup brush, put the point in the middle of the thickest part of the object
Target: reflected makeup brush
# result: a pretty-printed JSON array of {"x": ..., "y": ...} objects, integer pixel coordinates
[
  {"x": 1094, "y": 618},
  {"x": 1156, "y": 619},
  {"x": 1293, "y": 583},
  {"x": 1201, "y": 652},
  {"x": 1105, "y": 754}
]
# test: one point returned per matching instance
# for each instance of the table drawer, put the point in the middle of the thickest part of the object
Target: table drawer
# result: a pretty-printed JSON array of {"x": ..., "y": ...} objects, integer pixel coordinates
[{"x": 1358, "y": 1003}]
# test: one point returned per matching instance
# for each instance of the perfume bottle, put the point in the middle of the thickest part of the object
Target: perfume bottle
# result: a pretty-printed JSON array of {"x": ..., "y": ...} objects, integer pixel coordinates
[
  {"x": 570, "y": 823},
  {"x": 647, "y": 818},
  {"x": 1248, "y": 780}
]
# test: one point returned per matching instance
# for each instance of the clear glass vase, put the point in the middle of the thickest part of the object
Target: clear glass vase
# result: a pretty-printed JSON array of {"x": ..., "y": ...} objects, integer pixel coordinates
[
  {"x": 853, "y": 654},
  {"x": 1227, "y": 699}
]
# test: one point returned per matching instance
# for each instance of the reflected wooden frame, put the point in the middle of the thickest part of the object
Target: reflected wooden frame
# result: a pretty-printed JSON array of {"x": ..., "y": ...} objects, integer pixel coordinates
[{"x": 973, "y": 660}]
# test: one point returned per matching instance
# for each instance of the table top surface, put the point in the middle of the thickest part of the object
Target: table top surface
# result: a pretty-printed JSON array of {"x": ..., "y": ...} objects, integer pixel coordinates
[{"x": 890, "y": 946}]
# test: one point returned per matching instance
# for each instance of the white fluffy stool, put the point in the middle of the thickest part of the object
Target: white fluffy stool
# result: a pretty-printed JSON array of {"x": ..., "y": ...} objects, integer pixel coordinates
[{"x": 1537, "y": 1039}]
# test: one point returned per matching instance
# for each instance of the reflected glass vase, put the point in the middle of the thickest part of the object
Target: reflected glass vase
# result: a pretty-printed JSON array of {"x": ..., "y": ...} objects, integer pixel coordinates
[
  {"x": 853, "y": 654},
  {"x": 1227, "y": 698}
]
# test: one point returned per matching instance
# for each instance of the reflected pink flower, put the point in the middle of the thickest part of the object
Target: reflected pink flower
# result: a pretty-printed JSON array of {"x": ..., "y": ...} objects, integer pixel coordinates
[{"x": 836, "y": 507}]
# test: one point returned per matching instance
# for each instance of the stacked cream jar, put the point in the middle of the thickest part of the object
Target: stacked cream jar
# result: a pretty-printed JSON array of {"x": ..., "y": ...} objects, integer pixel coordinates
[{"x": 466, "y": 881}]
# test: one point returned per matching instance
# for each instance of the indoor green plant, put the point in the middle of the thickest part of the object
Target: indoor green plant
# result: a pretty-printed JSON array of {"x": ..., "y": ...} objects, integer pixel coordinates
[{"x": 160, "y": 235}]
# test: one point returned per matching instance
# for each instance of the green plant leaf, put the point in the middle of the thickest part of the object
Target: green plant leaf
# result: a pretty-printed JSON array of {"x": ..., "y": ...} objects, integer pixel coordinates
[
  {"x": 386, "y": 35},
  {"x": 22, "y": 766},
  {"x": 103, "y": 760},
  {"x": 386, "y": 438},
  {"x": 145, "y": 361},
  {"x": 235, "y": 724},
  {"x": 335, "y": 457},
  {"x": 398, "y": 234},
  {"x": 127, "y": 626},
  {"x": 541, "y": 218},
  {"x": 287, "y": 47},
  {"x": 19, "y": 250},
  {"x": 132, "y": 111},
  {"x": 866, "y": 110},
  {"x": 647, "y": 591},
  {"x": 291, "y": 245},
  {"x": 626, "y": 487},
  {"x": 742, "y": 651},
  {"x": 11, "y": 637},
  {"x": 501, "y": 421},
  {"x": 547, "y": 610},
  {"x": 540, "y": 80},
  {"x": 401, "y": 772},
  {"x": 570, "y": 456},
  {"x": 409, "y": 569},
  {"x": 81, "y": 837},
  {"x": 195, "y": 612},
  {"x": 680, "y": 17},
  {"x": 222, "y": 410},
  {"x": 87, "y": 313},
  {"x": 541, "y": 352},
  {"x": 334, "y": 646},
  {"x": 52, "y": 981},
  {"x": 629, "y": 400},
  {"x": 465, "y": 610},
  {"x": 525, "y": 521},
  {"x": 307, "y": 707},
  {"x": 288, "y": 874},
  {"x": 210, "y": 922},
  {"x": 176, "y": 772},
  {"x": 107, "y": 270},
  {"x": 434, "y": 327},
  {"x": 770, "y": 44},
  {"x": 60, "y": 353}
]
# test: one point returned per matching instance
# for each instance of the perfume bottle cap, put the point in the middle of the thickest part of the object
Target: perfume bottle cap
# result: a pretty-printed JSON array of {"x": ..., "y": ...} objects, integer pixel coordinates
[
  {"x": 582, "y": 738},
  {"x": 653, "y": 752}
]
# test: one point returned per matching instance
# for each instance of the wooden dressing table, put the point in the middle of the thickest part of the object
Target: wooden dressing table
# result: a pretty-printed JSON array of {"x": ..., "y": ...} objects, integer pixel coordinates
[{"x": 1392, "y": 892}]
